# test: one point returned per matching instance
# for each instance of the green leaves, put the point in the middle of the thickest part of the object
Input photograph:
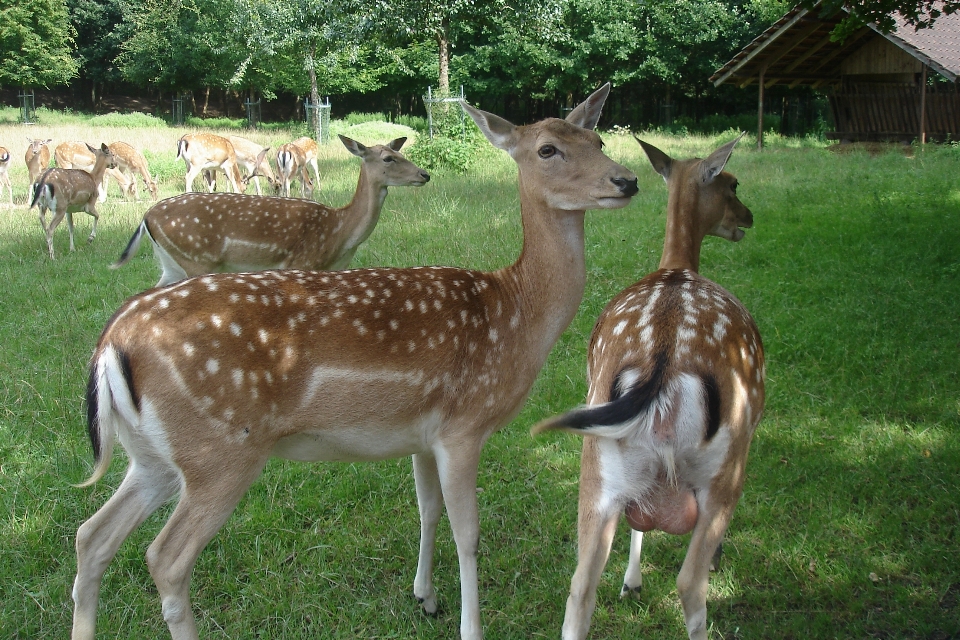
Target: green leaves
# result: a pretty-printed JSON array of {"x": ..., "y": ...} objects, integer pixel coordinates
[{"x": 36, "y": 43}]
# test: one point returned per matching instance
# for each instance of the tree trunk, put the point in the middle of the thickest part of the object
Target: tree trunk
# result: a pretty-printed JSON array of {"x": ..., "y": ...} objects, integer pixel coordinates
[{"x": 443, "y": 45}]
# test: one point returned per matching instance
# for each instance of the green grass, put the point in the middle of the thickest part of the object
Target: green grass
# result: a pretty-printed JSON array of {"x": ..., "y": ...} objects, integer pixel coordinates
[{"x": 848, "y": 527}]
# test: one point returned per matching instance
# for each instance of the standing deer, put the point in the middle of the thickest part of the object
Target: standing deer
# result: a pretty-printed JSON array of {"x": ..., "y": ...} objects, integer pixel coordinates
[
  {"x": 676, "y": 377},
  {"x": 310, "y": 153},
  {"x": 201, "y": 151},
  {"x": 5, "y": 173},
  {"x": 291, "y": 162},
  {"x": 130, "y": 163},
  {"x": 37, "y": 158},
  {"x": 206, "y": 379},
  {"x": 251, "y": 157},
  {"x": 77, "y": 155},
  {"x": 193, "y": 234},
  {"x": 66, "y": 191}
]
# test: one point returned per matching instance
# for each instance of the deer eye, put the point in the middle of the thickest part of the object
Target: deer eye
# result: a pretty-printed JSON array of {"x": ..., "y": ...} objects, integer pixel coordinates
[
  {"x": 389, "y": 159},
  {"x": 547, "y": 151}
]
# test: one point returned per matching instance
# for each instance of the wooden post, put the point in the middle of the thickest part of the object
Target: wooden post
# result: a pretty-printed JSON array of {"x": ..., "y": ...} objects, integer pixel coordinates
[
  {"x": 923, "y": 105},
  {"x": 763, "y": 70}
]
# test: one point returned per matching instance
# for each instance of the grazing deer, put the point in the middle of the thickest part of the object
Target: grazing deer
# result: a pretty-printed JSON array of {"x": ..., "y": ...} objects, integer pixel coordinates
[
  {"x": 197, "y": 233},
  {"x": 292, "y": 161},
  {"x": 130, "y": 163},
  {"x": 676, "y": 377},
  {"x": 252, "y": 158},
  {"x": 68, "y": 190},
  {"x": 310, "y": 153},
  {"x": 201, "y": 151},
  {"x": 5, "y": 173},
  {"x": 206, "y": 379},
  {"x": 37, "y": 158},
  {"x": 77, "y": 155}
]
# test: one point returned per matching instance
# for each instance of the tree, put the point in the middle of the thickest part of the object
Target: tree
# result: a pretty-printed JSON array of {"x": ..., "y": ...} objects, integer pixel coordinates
[
  {"x": 920, "y": 14},
  {"x": 102, "y": 26},
  {"x": 36, "y": 43}
]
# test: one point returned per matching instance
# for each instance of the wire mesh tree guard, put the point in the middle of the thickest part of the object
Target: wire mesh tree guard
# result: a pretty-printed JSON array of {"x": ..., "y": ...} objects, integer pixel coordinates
[
  {"x": 439, "y": 117},
  {"x": 318, "y": 119},
  {"x": 28, "y": 112},
  {"x": 178, "y": 115},
  {"x": 253, "y": 113}
]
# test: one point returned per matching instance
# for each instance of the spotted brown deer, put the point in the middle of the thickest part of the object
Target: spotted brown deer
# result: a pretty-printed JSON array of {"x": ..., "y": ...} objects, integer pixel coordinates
[
  {"x": 292, "y": 162},
  {"x": 206, "y": 379},
  {"x": 197, "y": 233},
  {"x": 65, "y": 191},
  {"x": 310, "y": 153},
  {"x": 201, "y": 151},
  {"x": 676, "y": 391},
  {"x": 5, "y": 173},
  {"x": 130, "y": 163}
]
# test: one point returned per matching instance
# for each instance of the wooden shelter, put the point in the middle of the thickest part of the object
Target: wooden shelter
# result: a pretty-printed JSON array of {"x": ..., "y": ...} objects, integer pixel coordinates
[{"x": 876, "y": 82}]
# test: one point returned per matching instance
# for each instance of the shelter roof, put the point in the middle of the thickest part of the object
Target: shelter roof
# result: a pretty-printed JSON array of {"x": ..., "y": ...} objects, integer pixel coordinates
[{"x": 797, "y": 49}]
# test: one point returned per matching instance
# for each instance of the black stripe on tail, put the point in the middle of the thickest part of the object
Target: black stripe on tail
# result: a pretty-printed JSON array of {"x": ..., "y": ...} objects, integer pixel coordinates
[
  {"x": 713, "y": 406},
  {"x": 38, "y": 187},
  {"x": 93, "y": 428}
]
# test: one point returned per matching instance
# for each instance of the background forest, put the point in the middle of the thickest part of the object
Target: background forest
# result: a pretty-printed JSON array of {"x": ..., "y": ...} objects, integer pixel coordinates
[{"x": 525, "y": 61}]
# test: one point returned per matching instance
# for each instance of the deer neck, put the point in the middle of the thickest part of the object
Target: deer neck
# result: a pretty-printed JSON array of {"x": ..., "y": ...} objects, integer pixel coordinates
[
  {"x": 681, "y": 244},
  {"x": 549, "y": 277},
  {"x": 360, "y": 217},
  {"x": 99, "y": 167}
]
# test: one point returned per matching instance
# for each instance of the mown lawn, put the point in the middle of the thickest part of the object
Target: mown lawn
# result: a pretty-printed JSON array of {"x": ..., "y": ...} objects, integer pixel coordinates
[{"x": 848, "y": 527}]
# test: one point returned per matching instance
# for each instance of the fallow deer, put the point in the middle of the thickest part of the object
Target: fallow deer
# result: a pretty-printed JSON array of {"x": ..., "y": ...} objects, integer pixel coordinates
[
  {"x": 676, "y": 376},
  {"x": 5, "y": 173},
  {"x": 292, "y": 162},
  {"x": 197, "y": 233},
  {"x": 77, "y": 155},
  {"x": 201, "y": 151},
  {"x": 37, "y": 158},
  {"x": 310, "y": 153},
  {"x": 252, "y": 158},
  {"x": 65, "y": 191},
  {"x": 131, "y": 163},
  {"x": 206, "y": 379}
]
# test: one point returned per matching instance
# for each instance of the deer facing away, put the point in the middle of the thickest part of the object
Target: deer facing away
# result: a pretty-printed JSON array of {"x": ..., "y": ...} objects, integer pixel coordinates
[
  {"x": 197, "y": 233},
  {"x": 5, "y": 173},
  {"x": 68, "y": 190},
  {"x": 292, "y": 162},
  {"x": 676, "y": 377},
  {"x": 206, "y": 379}
]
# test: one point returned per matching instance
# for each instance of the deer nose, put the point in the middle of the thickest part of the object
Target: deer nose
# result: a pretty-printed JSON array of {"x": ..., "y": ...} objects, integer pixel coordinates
[
  {"x": 425, "y": 176},
  {"x": 627, "y": 187}
]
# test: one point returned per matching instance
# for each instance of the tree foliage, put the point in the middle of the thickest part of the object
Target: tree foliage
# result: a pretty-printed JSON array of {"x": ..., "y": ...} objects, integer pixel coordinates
[{"x": 36, "y": 43}]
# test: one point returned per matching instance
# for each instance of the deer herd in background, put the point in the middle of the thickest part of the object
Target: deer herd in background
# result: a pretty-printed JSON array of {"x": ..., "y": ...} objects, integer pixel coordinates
[{"x": 255, "y": 344}]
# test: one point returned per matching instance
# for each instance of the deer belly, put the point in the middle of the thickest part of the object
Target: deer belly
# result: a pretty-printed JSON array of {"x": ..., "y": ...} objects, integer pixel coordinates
[{"x": 669, "y": 509}]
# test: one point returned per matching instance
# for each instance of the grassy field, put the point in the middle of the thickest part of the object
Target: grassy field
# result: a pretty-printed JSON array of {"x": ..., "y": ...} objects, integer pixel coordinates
[{"x": 849, "y": 525}]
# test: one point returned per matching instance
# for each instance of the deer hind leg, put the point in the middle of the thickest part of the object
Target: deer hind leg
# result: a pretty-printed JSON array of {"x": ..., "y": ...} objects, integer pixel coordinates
[
  {"x": 91, "y": 210},
  {"x": 457, "y": 467},
  {"x": 692, "y": 583},
  {"x": 203, "y": 509},
  {"x": 633, "y": 578},
  {"x": 141, "y": 493},
  {"x": 430, "y": 503}
]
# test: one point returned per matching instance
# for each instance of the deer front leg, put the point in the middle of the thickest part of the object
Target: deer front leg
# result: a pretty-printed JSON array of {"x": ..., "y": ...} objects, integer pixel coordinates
[
  {"x": 430, "y": 503},
  {"x": 92, "y": 210},
  {"x": 457, "y": 468},
  {"x": 633, "y": 578}
]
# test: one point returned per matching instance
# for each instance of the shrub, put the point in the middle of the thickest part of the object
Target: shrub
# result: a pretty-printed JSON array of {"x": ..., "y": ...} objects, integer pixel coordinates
[
  {"x": 442, "y": 153},
  {"x": 128, "y": 120}
]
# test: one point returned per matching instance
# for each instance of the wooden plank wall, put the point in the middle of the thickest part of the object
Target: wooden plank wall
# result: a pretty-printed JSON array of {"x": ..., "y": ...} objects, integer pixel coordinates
[{"x": 877, "y": 111}]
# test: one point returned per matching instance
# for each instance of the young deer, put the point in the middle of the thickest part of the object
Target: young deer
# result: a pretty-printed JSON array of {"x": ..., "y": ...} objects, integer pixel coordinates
[
  {"x": 37, "y": 158},
  {"x": 676, "y": 377},
  {"x": 199, "y": 233},
  {"x": 201, "y": 151},
  {"x": 291, "y": 162},
  {"x": 130, "y": 163},
  {"x": 66, "y": 191},
  {"x": 77, "y": 155},
  {"x": 310, "y": 153},
  {"x": 5, "y": 173},
  {"x": 252, "y": 158},
  {"x": 205, "y": 380}
]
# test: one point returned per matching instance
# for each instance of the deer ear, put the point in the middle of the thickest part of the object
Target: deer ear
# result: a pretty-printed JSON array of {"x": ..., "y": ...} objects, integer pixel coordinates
[
  {"x": 587, "y": 113},
  {"x": 713, "y": 165},
  {"x": 661, "y": 162},
  {"x": 396, "y": 144},
  {"x": 104, "y": 147},
  {"x": 498, "y": 131},
  {"x": 352, "y": 146}
]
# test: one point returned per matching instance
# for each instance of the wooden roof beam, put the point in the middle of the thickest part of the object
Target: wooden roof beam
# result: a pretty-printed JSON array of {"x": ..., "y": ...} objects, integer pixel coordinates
[
  {"x": 847, "y": 45},
  {"x": 761, "y": 47},
  {"x": 806, "y": 56},
  {"x": 792, "y": 44}
]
